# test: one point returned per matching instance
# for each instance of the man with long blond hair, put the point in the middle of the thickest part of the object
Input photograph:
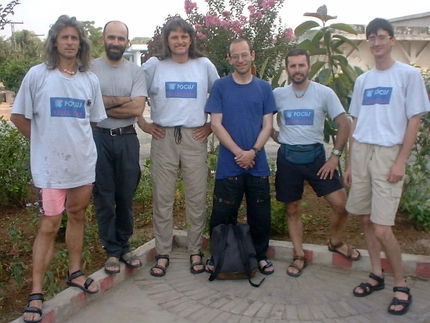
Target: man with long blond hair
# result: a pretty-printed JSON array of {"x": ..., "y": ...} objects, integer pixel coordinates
[{"x": 57, "y": 104}]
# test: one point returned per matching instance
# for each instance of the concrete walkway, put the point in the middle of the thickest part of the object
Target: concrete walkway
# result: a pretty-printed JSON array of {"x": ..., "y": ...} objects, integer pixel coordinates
[{"x": 322, "y": 294}]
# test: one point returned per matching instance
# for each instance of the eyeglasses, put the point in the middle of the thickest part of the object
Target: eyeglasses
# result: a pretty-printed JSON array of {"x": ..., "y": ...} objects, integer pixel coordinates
[
  {"x": 382, "y": 38},
  {"x": 244, "y": 55}
]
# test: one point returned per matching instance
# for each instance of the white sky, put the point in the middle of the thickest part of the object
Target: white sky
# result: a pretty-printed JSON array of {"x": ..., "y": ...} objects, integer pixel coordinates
[{"x": 143, "y": 16}]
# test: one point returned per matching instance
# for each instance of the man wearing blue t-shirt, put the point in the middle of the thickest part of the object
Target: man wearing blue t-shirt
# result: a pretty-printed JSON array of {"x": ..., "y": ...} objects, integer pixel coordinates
[{"x": 241, "y": 108}]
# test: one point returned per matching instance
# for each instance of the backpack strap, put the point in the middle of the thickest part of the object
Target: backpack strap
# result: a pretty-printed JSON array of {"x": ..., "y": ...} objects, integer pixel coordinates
[
  {"x": 222, "y": 244},
  {"x": 243, "y": 254}
]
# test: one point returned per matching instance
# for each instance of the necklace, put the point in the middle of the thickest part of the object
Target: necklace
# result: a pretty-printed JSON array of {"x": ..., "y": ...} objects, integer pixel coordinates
[
  {"x": 65, "y": 70},
  {"x": 68, "y": 72},
  {"x": 299, "y": 96}
]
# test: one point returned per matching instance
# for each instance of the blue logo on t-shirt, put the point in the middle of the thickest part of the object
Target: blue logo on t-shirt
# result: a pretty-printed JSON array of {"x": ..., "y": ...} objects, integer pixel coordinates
[
  {"x": 181, "y": 89},
  {"x": 299, "y": 117},
  {"x": 67, "y": 107},
  {"x": 377, "y": 95}
]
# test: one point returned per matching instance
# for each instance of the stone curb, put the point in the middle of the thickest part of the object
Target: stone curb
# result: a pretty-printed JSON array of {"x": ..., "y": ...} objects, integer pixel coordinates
[{"x": 71, "y": 300}]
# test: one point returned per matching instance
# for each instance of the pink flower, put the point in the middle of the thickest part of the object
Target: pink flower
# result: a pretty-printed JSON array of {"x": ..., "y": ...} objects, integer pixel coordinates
[
  {"x": 226, "y": 14},
  {"x": 211, "y": 20},
  {"x": 267, "y": 4},
  {"x": 200, "y": 35},
  {"x": 13, "y": 251},
  {"x": 189, "y": 6},
  {"x": 289, "y": 34},
  {"x": 224, "y": 24},
  {"x": 198, "y": 26},
  {"x": 236, "y": 26}
]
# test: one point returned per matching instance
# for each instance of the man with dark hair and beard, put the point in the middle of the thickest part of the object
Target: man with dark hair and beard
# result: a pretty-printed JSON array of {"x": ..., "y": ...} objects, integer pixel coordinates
[
  {"x": 303, "y": 106},
  {"x": 117, "y": 172}
]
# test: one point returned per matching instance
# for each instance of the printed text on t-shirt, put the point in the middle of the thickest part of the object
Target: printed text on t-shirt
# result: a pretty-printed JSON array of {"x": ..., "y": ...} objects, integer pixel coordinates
[{"x": 181, "y": 89}]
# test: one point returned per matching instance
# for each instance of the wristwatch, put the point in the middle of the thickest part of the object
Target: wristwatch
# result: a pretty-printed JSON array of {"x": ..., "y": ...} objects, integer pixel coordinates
[
  {"x": 256, "y": 150},
  {"x": 336, "y": 152}
]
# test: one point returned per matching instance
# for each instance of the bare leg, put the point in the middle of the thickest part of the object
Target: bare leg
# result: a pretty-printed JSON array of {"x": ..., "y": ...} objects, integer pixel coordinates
[
  {"x": 77, "y": 201},
  {"x": 43, "y": 251},
  {"x": 338, "y": 220},
  {"x": 374, "y": 249},
  {"x": 295, "y": 230},
  {"x": 392, "y": 250}
]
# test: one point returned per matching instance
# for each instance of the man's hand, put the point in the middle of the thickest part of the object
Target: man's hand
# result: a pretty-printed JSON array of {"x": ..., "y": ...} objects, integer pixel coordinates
[
  {"x": 151, "y": 128},
  {"x": 328, "y": 169},
  {"x": 275, "y": 136},
  {"x": 347, "y": 177},
  {"x": 201, "y": 133},
  {"x": 397, "y": 172},
  {"x": 245, "y": 159}
]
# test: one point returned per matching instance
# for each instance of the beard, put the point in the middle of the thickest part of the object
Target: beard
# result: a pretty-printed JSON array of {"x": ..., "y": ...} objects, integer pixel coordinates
[
  {"x": 115, "y": 56},
  {"x": 300, "y": 81}
]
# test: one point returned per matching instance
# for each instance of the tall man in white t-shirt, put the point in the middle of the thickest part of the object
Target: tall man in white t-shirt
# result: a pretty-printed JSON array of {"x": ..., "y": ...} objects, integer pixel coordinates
[
  {"x": 387, "y": 105},
  {"x": 303, "y": 106},
  {"x": 178, "y": 85},
  {"x": 57, "y": 104}
]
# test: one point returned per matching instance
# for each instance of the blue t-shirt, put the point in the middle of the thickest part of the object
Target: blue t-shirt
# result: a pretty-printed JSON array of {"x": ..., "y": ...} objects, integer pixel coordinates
[{"x": 243, "y": 107}]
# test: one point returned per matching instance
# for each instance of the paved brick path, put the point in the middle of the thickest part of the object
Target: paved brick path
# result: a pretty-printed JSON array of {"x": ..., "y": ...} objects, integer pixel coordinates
[{"x": 322, "y": 294}]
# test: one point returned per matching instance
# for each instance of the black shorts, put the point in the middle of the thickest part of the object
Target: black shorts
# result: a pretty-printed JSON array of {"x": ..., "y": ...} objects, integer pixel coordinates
[{"x": 290, "y": 179}]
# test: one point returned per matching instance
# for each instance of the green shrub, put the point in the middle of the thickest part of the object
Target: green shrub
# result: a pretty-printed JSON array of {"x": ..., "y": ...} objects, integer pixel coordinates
[
  {"x": 416, "y": 191},
  {"x": 15, "y": 176}
]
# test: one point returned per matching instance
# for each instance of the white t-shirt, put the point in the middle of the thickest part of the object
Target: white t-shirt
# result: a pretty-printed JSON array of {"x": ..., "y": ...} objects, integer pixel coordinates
[
  {"x": 302, "y": 119},
  {"x": 63, "y": 154},
  {"x": 178, "y": 92},
  {"x": 384, "y": 101}
]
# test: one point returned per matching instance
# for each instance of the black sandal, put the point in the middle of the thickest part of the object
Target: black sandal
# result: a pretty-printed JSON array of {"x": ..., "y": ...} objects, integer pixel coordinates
[
  {"x": 210, "y": 262},
  {"x": 198, "y": 263},
  {"x": 88, "y": 282},
  {"x": 405, "y": 303},
  {"x": 129, "y": 258},
  {"x": 266, "y": 266},
  {"x": 369, "y": 288},
  {"x": 32, "y": 309},
  {"x": 157, "y": 266}
]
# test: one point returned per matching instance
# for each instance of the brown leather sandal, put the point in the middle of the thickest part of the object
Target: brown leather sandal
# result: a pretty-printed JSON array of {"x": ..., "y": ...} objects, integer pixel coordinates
[
  {"x": 348, "y": 255},
  {"x": 293, "y": 265}
]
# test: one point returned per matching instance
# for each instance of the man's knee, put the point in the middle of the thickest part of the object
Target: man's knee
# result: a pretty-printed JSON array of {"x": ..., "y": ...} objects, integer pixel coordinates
[
  {"x": 293, "y": 209},
  {"x": 383, "y": 233},
  {"x": 49, "y": 226}
]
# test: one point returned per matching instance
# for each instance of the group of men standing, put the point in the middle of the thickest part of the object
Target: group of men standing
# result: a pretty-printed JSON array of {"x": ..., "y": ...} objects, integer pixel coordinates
[{"x": 80, "y": 116}]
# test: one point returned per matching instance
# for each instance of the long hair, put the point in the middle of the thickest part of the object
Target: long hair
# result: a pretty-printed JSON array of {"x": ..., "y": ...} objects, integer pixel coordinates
[
  {"x": 51, "y": 52},
  {"x": 174, "y": 24}
]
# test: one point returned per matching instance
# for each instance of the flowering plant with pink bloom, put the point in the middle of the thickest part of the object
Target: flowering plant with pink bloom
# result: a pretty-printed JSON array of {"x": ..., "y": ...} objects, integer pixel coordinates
[{"x": 255, "y": 20}]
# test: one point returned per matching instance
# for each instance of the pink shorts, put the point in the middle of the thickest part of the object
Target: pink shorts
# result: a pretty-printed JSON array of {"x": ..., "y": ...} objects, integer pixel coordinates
[{"x": 52, "y": 201}]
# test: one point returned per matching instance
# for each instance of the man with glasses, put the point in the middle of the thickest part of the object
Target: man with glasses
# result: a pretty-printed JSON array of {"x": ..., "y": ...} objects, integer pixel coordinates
[
  {"x": 241, "y": 108},
  {"x": 387, "y": 105}
]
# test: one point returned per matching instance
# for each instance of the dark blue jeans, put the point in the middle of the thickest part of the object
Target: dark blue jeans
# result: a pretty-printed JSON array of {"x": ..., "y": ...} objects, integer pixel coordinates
[
  {"x": 117, "y": 176},
  {"x": 228, "y": 195}
]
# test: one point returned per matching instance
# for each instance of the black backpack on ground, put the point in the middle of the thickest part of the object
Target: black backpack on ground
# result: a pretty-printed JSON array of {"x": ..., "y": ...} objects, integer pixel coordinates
[{"x": 233, "y": 253}]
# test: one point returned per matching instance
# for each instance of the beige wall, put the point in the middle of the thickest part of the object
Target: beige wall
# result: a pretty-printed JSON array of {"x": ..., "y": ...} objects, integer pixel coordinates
[{"x": 412, "y": 47}]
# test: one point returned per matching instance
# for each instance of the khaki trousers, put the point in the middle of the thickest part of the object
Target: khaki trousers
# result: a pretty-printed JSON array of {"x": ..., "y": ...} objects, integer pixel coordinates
[{"x": 168, "y": 155}]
